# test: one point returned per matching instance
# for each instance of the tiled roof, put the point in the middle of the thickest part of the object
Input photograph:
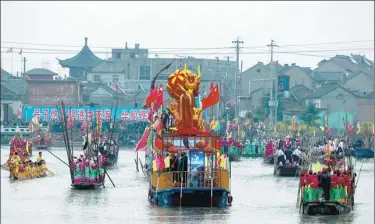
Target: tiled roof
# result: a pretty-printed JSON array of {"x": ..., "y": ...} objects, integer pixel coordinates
[
  {"x": 328, "y": 76},
  {"x": 323, "y": 90},
  {"x": 300, "y": 91},
  {"x": 84, "y": 59},
  {"x": 40, "y": 71}
]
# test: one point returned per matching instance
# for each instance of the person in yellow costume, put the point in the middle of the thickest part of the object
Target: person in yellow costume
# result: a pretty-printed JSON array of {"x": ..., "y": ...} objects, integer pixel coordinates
[
  {"x": 14, "y": 166},
  {"x": 39, "y": 158}
]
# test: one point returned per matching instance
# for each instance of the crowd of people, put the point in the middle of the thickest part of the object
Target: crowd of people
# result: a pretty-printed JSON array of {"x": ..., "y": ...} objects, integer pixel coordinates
[
  {"x": 335, "y": 187},
  {"x": 88, "y": 171},
  {"x": 21, "y": 166}
]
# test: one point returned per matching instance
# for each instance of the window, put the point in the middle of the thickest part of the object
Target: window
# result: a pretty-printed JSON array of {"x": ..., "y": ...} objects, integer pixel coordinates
[
  {"x": 118, "y": 55},
  {"x": 115, "y": 78},
  {"x": 144, "y": 73},
  {"x": 316, "y": 103},
  {"x": 97, "y": 78}
]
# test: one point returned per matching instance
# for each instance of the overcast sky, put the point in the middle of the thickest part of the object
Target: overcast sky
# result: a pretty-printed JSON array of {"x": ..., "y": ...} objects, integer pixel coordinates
[{"x": 186, "y": 25}]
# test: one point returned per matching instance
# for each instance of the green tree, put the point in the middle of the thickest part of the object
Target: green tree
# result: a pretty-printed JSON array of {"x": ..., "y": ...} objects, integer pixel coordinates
[{"x": 310, "y": 116}]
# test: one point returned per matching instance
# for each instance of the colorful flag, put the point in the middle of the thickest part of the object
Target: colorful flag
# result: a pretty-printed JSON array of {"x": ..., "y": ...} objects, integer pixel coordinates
[
  {"x": 159, "y": 98},
  {"x": 143, "y": 142}
]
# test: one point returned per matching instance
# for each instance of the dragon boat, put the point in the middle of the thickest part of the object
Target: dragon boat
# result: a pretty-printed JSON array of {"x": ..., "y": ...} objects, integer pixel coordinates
[{"x": 187, "y": 167}]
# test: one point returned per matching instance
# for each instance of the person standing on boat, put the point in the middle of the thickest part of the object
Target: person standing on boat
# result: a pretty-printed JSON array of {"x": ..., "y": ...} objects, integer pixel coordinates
[
  {"x": 325, "y": 183},
  {"x": 14, "y": 165},
  {"x": 288, "y": 154},
  {"x": 296, "y": 155},
  {"x": 269, "y": 149},
  {"x": 280, "y": 157}
]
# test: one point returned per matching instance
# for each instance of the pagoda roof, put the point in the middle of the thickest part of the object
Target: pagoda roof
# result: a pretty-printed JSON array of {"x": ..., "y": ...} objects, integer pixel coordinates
[{"x": 84, "y": 59}]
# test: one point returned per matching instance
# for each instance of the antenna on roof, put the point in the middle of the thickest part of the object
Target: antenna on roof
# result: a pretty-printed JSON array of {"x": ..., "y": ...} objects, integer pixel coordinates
[{"x": 85, "y": 41}]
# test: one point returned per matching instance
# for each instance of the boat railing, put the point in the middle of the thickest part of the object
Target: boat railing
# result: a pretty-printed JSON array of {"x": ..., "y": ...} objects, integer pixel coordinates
[{"x": 190, "y": 179}]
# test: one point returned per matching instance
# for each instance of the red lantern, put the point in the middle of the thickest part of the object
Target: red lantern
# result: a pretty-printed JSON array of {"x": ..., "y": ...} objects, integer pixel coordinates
[{"x": 327, "y": 131}]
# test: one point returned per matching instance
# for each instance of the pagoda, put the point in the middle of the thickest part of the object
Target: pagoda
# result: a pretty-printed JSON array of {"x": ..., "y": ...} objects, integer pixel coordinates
[{"x": 82, "y": 63}]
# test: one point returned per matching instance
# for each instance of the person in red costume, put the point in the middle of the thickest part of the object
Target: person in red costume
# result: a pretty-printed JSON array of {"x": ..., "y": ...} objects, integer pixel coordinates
[
  {"x": 287, "y": 143},
  {"x": 269, "y": 149}
]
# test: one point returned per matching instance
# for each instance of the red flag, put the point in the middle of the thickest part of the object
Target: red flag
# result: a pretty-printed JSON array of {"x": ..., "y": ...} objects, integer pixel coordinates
[
  {"x": 151, "y": 98},
  {"x": 150, "y": 115},
  {"x": 143, "y": 142},
  {"x": 159, "y": 99}
]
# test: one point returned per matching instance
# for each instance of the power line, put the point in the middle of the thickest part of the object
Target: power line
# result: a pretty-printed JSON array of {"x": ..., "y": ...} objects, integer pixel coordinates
[
  {"x": 195, "y": 48},
  {"x": 46, "y": 51},
  {"x": 60, "y": 45}
]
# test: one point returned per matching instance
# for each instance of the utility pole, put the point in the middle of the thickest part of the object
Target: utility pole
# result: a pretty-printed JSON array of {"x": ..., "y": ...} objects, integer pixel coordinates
[
  {"x": 272, "y": 104},
  {"x": 24, "y": 67},
  {"x": 237, "y": 42}
]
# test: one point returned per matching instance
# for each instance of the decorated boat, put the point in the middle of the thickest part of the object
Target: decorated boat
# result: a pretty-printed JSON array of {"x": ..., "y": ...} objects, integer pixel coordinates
[
  {"x": 187, "y": 168},
  {"x": 21, "y": 167},
  {"x": 253, "y": 149},
  {"x": 327, "y": 192},
  {"x": 232, "y": 148},
  {"x": 21, "y": 146},
  {"x": 40, "y": 136},
  {"x": 362, "y": 153},
  {"x": 87, "y": 171}
]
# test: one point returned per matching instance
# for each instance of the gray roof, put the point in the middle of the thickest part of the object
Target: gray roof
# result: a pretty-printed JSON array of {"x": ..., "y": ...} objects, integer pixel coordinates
[
  {"x": 307, "y": 70},
  {"x": 17, "y": 86},
  {"x": 40, "y": 71},
  {"x": 323, "y": 90},
  {"x": 367, "y": 73},
  {"x": 350, "y": 64},
  {"x": 300, "y": 91},
  {"x": 5, "y": 73},
  {"x": 84, "y": 59},
  {"x": 328, "y": 76}
]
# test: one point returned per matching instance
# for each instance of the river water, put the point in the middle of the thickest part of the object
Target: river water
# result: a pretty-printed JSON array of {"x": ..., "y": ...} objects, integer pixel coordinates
[{"x": 258, "y": 197}]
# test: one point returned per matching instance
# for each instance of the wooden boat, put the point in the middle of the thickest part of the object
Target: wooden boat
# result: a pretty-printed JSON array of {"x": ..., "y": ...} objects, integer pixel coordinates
[
  {"x": 86, "y": 186},
  {"x": 284, "y": 171},
  {"x": 28, "y": 172},
  {"x": 253, "y": 151},
  {"x": 325, "y": 208},
  {"x": 362, "y": 153},
  {"x": 200, "y": 185}
]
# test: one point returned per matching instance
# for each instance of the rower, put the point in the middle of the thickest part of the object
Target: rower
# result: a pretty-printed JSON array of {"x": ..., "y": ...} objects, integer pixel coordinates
[
  {"x": 296, "y": 155},
  {"x": 39, "y": 159},
  {"x": 280, "y": 156}
]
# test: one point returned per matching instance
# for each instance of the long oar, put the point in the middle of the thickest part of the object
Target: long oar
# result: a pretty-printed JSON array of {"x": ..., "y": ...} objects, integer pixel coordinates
[
  {"x": 58, "y": 158},
  {"x": 105, "y": 171}
]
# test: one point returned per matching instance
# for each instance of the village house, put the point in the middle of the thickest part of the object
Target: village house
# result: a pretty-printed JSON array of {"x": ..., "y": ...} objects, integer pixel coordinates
[
  {"x": 342, "y": 68},
  {"x": 298, "y": 75},
  {"x": 50, "y": 92},
  {"x": 339, "y": 102},
  {"x": 40, "y": 74},
  {"x": 366, "y": 105},
  {"x": 13, "y": 93}
]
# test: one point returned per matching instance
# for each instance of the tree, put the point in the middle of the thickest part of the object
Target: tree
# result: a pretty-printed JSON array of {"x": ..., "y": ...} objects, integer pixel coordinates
[
  {"x": 310, "y": 116},
  {"x": 264, "y": 110}
]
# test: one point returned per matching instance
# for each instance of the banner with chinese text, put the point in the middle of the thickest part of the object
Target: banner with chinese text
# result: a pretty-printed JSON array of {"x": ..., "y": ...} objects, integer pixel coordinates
[{"x": 81, "y": 113}]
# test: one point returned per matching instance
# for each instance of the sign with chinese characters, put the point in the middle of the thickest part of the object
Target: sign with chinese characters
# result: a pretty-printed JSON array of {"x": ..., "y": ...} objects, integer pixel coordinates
[{"x": 83, "y": 113}]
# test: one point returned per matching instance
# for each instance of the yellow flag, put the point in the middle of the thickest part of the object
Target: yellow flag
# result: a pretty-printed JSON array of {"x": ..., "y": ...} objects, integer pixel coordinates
[
  {"x": 317, "y": 167},
  {"x": 167, "y": 162}
]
